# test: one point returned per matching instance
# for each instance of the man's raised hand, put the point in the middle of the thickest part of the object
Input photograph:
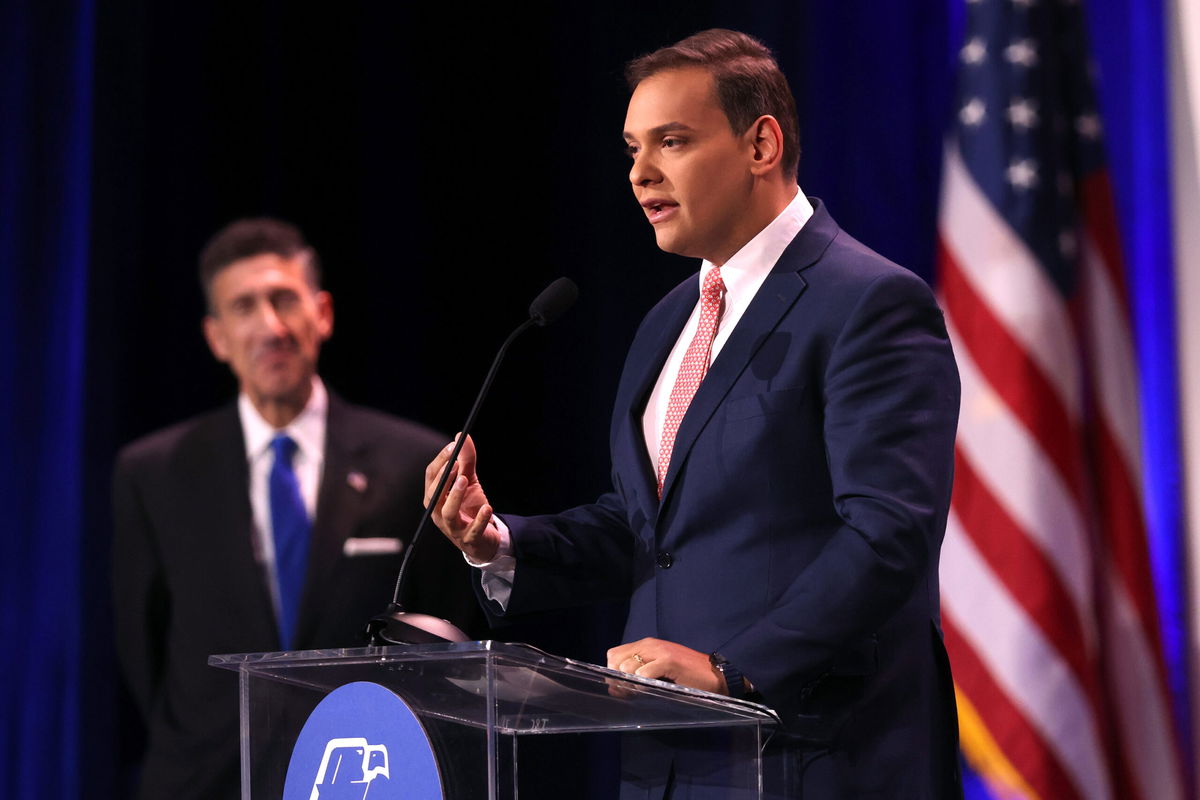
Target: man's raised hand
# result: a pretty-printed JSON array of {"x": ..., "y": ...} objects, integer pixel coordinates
[{"x": 462, "y": 513}]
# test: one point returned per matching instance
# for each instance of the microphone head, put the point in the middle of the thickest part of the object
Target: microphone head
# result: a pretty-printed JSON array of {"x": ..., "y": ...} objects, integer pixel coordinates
[{"x": 553, "y": 302}]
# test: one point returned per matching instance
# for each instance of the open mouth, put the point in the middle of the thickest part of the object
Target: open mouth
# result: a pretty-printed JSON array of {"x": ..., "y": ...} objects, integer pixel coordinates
[{"x": 657, "y": 211}]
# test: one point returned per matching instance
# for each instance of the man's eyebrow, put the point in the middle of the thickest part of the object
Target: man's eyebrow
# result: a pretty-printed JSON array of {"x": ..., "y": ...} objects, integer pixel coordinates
[{"x": 660, "y": 130}]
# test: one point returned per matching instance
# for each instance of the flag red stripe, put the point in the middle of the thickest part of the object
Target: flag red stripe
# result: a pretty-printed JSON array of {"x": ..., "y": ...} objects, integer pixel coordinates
[
  {"x": 1124, "y": 533},
  {"x": 1029, "y": 577},
  {"x": 1026, "y": 749},
  {"x": 1012, "y": 374}
]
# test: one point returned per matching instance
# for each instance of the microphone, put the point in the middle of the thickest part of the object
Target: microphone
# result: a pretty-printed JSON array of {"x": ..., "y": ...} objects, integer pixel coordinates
[
  {"x": 395, "y": 625},
  {"x": 554, "y": 301}
]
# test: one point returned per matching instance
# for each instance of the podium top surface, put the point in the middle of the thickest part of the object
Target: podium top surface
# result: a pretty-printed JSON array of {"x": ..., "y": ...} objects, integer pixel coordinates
[{"x": 515, "y": 688}]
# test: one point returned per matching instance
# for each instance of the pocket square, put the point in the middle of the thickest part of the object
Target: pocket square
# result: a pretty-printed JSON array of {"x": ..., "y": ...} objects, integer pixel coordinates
[
  {"x": 375, "y": 546},
  {"x": 357, "y": 481}
]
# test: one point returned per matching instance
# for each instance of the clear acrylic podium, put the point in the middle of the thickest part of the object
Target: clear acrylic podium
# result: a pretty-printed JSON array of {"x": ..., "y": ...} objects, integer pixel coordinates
[{"x": 478, "y": 701}]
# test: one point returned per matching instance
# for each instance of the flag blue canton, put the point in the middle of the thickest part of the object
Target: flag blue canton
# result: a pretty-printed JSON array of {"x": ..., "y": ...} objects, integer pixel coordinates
[{"x": 1027, "y": 123}]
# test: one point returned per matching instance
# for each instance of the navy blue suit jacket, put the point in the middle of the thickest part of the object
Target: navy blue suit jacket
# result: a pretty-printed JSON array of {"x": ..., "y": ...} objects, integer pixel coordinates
[{"x": 801, "y": 518}]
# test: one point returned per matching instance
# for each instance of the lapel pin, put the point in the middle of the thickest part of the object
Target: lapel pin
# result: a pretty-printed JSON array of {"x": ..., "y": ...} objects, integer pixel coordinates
[{"x": 357, "y": 481}]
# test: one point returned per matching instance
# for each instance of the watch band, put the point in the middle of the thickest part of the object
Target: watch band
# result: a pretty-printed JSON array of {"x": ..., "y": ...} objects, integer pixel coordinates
[{"x": 735, "y": 681}]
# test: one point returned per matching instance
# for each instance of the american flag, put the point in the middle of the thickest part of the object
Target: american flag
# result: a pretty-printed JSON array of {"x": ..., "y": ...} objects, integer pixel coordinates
[{"x": 1047, "y": 600}]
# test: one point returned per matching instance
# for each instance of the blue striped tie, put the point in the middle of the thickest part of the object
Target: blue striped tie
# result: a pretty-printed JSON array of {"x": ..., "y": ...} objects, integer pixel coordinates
[{"x": 290, "y": 528}]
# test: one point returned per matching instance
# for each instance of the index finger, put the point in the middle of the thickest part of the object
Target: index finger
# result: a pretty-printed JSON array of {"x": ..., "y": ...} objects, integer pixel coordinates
[
  {"x": 434, "y": 470},
  {"x": 467, "y": 456}
]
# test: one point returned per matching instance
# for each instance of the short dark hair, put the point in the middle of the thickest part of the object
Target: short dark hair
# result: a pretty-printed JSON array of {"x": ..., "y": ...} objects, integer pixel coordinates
[
  {"x": 244, "y": 238},
  {"x": 748, "y": 81}
]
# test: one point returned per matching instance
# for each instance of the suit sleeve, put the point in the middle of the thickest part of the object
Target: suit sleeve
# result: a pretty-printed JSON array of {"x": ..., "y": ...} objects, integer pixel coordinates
[
  {"x": 891, "y": 395},
  {"x": 578, "y": 557},
  {"x": 140, "y": 599}
]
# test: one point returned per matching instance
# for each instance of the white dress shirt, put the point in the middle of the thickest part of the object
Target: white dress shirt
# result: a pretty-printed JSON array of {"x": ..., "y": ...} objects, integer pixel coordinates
[
  {"x": 743, "y": 274},
  {"x": 307, "y": 430}
]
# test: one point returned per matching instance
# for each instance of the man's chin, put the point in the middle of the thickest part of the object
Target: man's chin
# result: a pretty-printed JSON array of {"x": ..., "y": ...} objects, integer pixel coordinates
[
  {"x": 282, "y": 391},
  {"x": 671, "y": 239},
  {"x": 668, "y": 243}
]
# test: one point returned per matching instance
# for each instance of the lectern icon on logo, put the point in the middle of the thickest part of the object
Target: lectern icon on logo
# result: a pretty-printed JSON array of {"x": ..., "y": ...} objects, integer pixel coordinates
[{"x": 348, "y": 768}]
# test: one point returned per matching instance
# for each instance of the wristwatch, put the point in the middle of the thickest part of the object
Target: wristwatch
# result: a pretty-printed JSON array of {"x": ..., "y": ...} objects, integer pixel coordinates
[{"x": 735, "y": 682}]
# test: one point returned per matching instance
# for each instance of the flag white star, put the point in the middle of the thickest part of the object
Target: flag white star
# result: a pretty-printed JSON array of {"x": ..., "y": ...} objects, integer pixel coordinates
[
  {"x": 1088, "y": 126},
  {"x": 1021, "y": 52},
  {"x": 1022, "y": 173},
  {"x": 972, "y": 113},
  {"x": 1022, "y": 113},
  {"x": 974, "y": 51}
]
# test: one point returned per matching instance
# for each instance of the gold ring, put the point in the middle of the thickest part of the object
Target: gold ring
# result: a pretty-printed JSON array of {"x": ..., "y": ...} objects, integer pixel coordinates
[{"x": 638, "y": 658}]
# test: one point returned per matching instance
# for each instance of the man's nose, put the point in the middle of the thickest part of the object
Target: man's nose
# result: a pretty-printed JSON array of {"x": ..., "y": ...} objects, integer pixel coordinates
[
  {"x": 644, "y": 171},
  {"x": 270, "y": 319}
]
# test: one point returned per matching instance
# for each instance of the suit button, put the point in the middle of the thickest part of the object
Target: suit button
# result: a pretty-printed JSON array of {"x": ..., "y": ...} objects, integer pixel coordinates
[{"x": 664, "y": 559}]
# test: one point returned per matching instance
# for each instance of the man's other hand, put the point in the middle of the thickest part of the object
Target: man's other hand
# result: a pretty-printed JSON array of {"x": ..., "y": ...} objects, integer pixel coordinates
[{"x": 667, "y": 661}]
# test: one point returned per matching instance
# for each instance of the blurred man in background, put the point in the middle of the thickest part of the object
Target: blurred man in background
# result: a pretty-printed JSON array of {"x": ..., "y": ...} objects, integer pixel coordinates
[{"x": 276, "y": 522}]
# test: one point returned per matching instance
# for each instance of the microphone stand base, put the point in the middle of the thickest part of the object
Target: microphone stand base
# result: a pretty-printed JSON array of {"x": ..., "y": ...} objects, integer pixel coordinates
[{"x": 397, "y": 626}]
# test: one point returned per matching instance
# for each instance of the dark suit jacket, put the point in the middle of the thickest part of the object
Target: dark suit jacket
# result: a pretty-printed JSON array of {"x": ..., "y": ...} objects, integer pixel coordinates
[
  {"x": 801, "y": 518},
  {"x": 186, "y": 583}
]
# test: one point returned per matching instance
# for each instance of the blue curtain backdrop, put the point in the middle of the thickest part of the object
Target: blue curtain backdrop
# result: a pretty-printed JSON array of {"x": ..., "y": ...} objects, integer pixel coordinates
[
  {"x": 46, "y": 60},
  {"x": 130, "y": 130}
]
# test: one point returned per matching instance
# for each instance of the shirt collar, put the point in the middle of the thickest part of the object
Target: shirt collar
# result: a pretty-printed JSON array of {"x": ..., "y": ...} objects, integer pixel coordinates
[
  {"x": 307, "y": 429},
  {"x": 748, "y": 266}
]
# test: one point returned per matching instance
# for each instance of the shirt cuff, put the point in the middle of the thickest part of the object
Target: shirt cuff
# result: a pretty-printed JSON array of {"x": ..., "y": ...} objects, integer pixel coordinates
[{"x": 496, "y": 576}]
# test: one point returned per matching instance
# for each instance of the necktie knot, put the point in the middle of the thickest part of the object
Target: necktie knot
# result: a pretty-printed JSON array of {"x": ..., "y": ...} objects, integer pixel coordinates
[
  {"x": 713, "y": 288},
  {"x": 284, "y": 448}
]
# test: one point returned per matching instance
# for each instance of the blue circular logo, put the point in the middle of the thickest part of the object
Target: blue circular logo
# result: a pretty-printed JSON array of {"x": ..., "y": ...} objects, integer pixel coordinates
[{"x": 362, "y": 738}]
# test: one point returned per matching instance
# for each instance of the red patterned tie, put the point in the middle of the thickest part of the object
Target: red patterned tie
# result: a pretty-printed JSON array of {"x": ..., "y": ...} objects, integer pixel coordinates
[{"x": 693, "y": 368}]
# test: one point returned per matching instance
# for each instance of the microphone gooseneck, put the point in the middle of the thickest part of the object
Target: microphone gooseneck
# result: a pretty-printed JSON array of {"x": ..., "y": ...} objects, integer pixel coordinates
[{"x": 395, "y": 625}]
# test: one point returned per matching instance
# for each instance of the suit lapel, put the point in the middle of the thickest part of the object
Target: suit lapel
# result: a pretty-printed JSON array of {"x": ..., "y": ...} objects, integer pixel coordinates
[
  {"x": 222, "y": 486},
  {"x": 778, "y": 293},
  {"x": 649, "y": 360}
]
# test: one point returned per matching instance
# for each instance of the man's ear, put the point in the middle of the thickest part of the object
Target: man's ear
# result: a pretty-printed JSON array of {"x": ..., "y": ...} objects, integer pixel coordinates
[
  {"x": 324, "y": 314},
  {"x": 766, "y": 139},
  {"x": 215, "y": 336}
]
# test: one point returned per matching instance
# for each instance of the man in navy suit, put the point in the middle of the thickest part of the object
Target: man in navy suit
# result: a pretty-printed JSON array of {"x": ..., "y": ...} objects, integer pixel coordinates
[{"x": 782, "y": 455}]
